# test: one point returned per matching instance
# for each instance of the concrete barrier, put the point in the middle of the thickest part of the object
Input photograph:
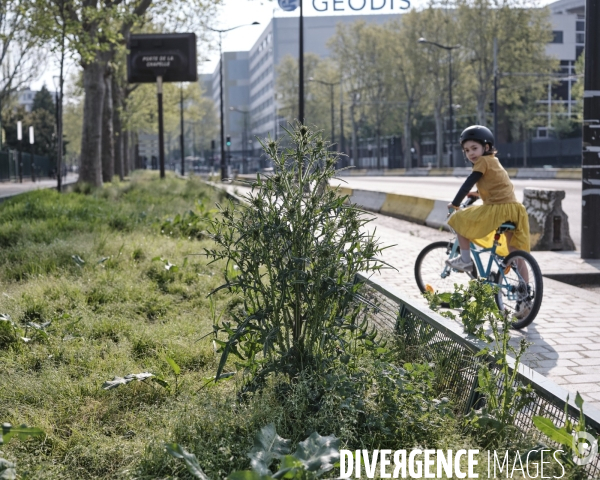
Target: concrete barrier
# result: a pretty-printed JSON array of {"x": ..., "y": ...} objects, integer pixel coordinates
[
  {"x": 536, "y": 173},
  {"x": 369, "y": 200},
  {"x": 414, "y": 209},
  {"x": 561, "y": 173},
  {"x": 438, "y": 216}
]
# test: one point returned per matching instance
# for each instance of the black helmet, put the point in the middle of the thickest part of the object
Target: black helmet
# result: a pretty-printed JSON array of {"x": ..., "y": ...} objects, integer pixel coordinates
[{"x": 478, "y": 133}]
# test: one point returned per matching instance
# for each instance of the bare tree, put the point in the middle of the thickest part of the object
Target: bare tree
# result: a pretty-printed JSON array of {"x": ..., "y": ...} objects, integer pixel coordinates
[{"x": 20, "y": 57}]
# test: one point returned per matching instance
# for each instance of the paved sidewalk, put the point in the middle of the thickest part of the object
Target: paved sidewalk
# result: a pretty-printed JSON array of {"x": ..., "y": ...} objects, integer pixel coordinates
[
  {"x": 8, "y": 189},
  {"x": 565, "y": 335}
]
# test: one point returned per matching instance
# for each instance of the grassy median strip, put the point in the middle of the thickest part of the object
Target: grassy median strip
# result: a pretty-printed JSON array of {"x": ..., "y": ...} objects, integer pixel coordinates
[{"x": 106, "y": 345}]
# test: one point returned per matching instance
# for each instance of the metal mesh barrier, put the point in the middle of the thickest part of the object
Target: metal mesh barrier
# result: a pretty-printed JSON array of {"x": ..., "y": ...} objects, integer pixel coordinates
[{"x": 436, "y": 339}]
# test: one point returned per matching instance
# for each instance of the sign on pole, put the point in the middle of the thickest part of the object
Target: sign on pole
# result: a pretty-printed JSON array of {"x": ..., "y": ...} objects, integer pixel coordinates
[{"x": 166, "y": 57}]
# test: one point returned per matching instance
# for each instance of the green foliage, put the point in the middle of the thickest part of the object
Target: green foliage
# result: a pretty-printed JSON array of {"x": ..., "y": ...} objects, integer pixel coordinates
[
  {"x": 8, "y": 469},
  {"x": 564, "y": 437},
  {"x": 192, "y": 224},
  {"x": 475, "y": 303},
  {"x": 293, "y": 252},
  {"x": 313, "y": 457},
  {"x": 505, "y": 395}
]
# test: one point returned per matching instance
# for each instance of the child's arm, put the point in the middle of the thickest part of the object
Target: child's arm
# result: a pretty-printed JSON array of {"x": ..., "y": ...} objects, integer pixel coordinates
[{"x": 466, "y": 188}]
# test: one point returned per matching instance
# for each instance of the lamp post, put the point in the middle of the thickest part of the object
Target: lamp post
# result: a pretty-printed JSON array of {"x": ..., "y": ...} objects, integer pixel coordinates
[
  {"x": 244, "y": 135},
  {"x": 448, "y": 48},
  {"x": 590, "y": 224},
  {"x": 32, "y": 162},
  {"x": 221, "y": 32},
  {"x": 20, "y": 139},
  {"x": 330, "y": 85},
  {"x": 181, "y": 125}
]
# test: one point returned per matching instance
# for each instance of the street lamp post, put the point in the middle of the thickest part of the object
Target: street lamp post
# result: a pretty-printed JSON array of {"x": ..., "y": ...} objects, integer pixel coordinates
[
  {"x": 244, "y": 135},
  {"x": 330, "y": 85},
  {"x": 449, "y": 48},
  {"x": 221, "y": 32},
  {"x": 181, "y": 125},
  {"x": 32, "y": 162},
  {"x": 20, "y": 139}
]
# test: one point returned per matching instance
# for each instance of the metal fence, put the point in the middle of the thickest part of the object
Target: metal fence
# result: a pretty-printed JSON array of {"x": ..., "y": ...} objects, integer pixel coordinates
[
  {"x": 443, "y": 342},
  {"x": 43, "y": 166}
]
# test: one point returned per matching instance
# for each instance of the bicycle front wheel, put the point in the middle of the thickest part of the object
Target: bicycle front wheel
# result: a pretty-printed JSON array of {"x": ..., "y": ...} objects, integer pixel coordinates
[
  {"x": 431, "y": 270},
  {"x": 521, "y": 288}
]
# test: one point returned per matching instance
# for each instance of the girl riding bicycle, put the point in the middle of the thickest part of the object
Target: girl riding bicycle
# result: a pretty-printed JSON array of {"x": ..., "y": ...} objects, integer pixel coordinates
[{"x": 500, "y": 205}]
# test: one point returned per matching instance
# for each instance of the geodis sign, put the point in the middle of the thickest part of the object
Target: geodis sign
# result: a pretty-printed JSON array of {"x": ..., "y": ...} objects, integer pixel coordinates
[{"x": 349, "y": 5}]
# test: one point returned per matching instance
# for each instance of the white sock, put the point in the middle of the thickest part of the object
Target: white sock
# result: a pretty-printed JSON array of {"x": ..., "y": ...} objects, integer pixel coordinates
[{"x": 465, "y": 255}]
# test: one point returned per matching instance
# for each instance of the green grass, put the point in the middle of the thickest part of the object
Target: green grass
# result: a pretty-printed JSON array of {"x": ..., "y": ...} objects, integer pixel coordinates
[
  {"x": 119, "y": 312},
  {"x": 88, "y": 263}
]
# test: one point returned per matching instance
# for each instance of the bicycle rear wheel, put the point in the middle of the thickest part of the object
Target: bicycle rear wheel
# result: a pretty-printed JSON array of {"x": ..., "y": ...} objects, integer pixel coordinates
[
  {"x": 521, "y": 288},
  {"x": 431, "y": 269}
]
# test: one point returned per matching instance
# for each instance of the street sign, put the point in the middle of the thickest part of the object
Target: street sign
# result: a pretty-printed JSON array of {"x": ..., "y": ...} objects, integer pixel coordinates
[
  {"x": 171, "y": 56},
  {"x": 288, "y": 5}
]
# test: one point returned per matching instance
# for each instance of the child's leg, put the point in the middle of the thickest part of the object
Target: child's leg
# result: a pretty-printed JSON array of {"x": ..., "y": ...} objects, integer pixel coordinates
[
  {"x": 521, "y": 266},
  {"x": 465, "y": 248}
]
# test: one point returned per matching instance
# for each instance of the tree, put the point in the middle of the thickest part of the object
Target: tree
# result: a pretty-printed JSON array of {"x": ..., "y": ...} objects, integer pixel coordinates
[
  {"x": 20, "y": 58},
  {"x": 408, "y": 73},
  {"x": 521, "y": 33},
  {"x": 43, "y": 101},
  {"x": 43, "y": 119},
  {"x": 96, "y": 32},
  {"x": 364, "y": 51},
  {"x": 317, "y": 102}
]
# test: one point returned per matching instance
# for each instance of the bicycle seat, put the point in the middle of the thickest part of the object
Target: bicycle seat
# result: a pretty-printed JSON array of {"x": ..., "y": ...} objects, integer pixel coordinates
[{"x": 506, "y": 226}]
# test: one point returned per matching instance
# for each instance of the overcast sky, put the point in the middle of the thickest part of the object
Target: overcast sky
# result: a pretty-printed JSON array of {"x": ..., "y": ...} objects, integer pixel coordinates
[{"x": 239, "y": 12}]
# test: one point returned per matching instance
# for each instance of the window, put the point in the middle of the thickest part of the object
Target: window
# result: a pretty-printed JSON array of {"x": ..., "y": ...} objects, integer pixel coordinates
[
  {"x": 557, "y": 36},
  {"x": 580, "y": 38},
  {"x": 578, "y": 51},
  {"x": 580, "y": 26}
]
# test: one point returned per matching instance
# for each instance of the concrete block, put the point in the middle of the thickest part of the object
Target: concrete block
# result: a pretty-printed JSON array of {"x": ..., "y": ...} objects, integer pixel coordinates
[
  {"x": 438, "y": 216},
  {"x": 536, "y": 173},
  {"x": 367, "y": 199},
  {"x": 414, "y": 209},
  {"x": 548, "y": 223},
  {"x": 569, "y": 173}
]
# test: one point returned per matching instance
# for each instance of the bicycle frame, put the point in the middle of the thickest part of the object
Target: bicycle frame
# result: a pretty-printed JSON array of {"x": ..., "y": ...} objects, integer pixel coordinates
[{"x": 485, "y": 272}]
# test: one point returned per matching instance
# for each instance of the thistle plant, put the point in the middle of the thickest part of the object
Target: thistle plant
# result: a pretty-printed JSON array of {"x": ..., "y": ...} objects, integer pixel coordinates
[{"x": 296, "y": 247}]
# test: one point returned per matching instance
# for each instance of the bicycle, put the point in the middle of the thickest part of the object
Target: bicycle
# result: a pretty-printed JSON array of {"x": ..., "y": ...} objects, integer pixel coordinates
[{"x": 517, "y": 276}]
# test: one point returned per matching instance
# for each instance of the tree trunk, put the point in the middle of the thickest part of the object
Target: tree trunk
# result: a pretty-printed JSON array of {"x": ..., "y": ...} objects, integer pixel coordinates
[
  {"x": 481, "y": 117},
  {"x": 407, "y": 141},
  {"x": 91, "y": 138},
  {"x": 355, "y": 161},
  {"x": 439, "y": 135},
  {"x": 126, "y": 153},
  {"x": 378, "y": 140},
  {"x": 108, "y": 147},
  {"x": 117, "y": 97}
]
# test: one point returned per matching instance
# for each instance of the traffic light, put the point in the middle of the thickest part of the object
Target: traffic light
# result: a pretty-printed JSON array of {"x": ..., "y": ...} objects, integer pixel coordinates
[
  {"x": 228, "y": 141},
  {"x": 212, "y": 144}
]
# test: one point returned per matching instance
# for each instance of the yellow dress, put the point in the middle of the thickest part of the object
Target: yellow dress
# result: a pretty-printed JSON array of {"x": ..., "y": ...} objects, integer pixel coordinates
[{"x": 479, "y": 222}]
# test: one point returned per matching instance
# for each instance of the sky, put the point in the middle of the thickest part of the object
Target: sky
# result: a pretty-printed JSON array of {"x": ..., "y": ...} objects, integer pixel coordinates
[{"x": 241, "y": 12}]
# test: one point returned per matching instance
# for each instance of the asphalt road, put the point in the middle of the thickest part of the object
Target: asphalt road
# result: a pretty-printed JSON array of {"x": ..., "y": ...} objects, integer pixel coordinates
[{"x": 445, "y": 188}]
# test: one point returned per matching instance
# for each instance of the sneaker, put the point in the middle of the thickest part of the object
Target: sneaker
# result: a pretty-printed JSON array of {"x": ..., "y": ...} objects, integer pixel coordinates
[
  {"x": 523, "y": 308},
  {"x": 457, "y": 264}
]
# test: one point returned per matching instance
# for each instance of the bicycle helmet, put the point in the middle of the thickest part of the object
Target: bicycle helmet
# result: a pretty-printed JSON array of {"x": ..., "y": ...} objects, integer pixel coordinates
[{"x": 479, "y": 134}]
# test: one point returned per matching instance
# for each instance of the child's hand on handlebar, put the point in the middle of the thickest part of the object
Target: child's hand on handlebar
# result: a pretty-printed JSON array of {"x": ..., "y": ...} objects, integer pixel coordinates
[{"x": 452, "y": 208}]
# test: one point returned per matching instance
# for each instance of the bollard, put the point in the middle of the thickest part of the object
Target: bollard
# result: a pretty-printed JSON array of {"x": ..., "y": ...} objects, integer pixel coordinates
[{"x": 548, "y": 224}]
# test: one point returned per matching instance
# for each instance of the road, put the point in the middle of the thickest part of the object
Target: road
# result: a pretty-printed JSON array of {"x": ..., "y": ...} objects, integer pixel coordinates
[
  {"x": 8, "y": 189},
  {"x": 444, "y": 188}
]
